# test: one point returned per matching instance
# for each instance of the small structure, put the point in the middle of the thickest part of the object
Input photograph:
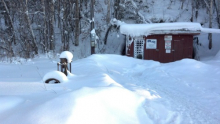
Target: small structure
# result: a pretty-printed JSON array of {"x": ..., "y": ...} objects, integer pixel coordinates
[
  {"x": 63, "y": 68},
  {"x": 163, "y": 42},
  {"x": 65, "y": 62}
]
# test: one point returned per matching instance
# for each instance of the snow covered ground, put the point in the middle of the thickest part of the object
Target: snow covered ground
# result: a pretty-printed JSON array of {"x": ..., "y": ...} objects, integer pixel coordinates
[{"x": 112, "y": 89}]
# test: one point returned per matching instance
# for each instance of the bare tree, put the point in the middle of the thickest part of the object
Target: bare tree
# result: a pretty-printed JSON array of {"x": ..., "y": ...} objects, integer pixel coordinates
[
  {"x": 116, "y": 9},
  {"x": 195, "y": 8},
  {"x": 10, "y": 30},
  {"x": 67, "y": 25},
  {"x": 92, "y": 26},
  {"x": 43, "y": 42},
  {"x": 65, "y": 31},
  {"x": 108, "y": 11},
  {"x": 77, "y": 23},
  {"x": 209, "y": 5},
  {"x": 210, "y": 22},
  {"x": 51, "y": 24},
  {"x": 217, "y": 8},
  {"x": 27, "y": 23}
]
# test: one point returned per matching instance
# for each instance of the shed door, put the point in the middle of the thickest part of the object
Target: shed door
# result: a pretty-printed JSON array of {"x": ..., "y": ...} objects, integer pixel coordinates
[
  {"x": 177, "y": 49},
  {"x": 182, "y": 47},
  {"x": 188, "y": 47}
]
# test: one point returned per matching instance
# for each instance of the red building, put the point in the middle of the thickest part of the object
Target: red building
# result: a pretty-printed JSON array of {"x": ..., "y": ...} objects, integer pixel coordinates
[{"x": 166, "y": 42}]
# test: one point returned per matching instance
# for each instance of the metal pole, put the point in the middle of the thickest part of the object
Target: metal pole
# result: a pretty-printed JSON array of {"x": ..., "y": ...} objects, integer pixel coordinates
[
  {"x": 70, "y": 68},
  {"x": 92, "y": 27},
  {"x": 58, "y": 66}
]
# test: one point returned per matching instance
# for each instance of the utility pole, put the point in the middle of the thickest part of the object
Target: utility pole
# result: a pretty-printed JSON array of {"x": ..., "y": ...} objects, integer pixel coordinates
[{"x": 92, "y": 36}]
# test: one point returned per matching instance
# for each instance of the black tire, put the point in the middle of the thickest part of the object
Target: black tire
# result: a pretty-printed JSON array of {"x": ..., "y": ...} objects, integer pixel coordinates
[{"x": 52, "y": 79}]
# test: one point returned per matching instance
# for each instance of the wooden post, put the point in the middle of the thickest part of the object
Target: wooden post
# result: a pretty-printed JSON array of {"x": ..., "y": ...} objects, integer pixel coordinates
[{"x": 64, "y": 67}]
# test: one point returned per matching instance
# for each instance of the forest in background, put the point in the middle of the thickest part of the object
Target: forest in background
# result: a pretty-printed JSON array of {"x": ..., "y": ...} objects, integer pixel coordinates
[{"x": 32, "y": 27}]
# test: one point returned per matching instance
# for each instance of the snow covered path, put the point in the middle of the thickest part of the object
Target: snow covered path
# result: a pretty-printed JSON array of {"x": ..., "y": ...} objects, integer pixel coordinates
[
  {"x": 181, "y": 87},
  {"x": 112, "y": 89}
]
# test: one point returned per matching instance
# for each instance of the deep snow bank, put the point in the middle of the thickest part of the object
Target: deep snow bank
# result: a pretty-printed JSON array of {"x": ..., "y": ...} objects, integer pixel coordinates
[
  {"x": 104, "y": 105},
  {"x": 113, "y": 89}
]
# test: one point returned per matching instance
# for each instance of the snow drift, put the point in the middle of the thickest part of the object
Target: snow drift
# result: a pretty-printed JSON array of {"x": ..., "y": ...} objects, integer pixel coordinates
[{"x": 113, "y": 89}]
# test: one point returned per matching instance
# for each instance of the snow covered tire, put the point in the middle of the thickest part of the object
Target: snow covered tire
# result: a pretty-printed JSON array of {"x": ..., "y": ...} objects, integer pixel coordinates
[{"x": 52, "y": 79}]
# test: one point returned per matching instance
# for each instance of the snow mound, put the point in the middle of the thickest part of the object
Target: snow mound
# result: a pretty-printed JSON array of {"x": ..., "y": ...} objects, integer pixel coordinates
[
  {"x": 9, "y": 102},
  {"x": 106, "y": 106},
  {"x": 55, "y": 75},
  {"x": 68, "y": 55},
  {"x": 218, "y": 55},
  {"x": 103, "y": 105},
  {"x": 187, "y": 65}
]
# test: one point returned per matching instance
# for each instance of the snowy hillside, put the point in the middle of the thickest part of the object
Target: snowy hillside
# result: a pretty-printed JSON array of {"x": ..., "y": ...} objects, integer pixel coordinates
[{"x": 112, "y": 89}]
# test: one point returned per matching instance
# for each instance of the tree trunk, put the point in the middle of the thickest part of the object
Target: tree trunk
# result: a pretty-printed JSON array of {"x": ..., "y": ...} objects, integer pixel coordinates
[
  {"x": 197, "y": 8},
  {"x": 193, "y": 6},
  {"x": 27, "y": 20},
  {"x": 108, "y": 12},
  {"x": 11, "y": 28},
  {"x": 44, "y": 42},
  {"x": 77, "y": 28},
  {"x": 218, "y": 4},
  {"x": 217, "y": 8},
  {"x": 116, "y": 10},
  {"x": 92, "y": 26},
  {"x": 51, "y": 22},
  {"x": 10, "y": 21},
  {"x": 65, "y": 30},
  {"x": 210, "y": 23}
]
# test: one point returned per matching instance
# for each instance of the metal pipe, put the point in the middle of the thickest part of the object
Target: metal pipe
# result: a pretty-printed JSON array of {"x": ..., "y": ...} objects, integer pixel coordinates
[
  {"x": 57, "y": 66},
  {"x": 70, "y": 68}
]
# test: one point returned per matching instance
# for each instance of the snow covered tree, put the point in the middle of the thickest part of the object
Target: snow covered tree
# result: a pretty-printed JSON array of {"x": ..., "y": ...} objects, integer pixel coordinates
[
  {"x": 27, "y": 34},
  {"x": 195, "y": 9},
  {"x": 8, "y": 33},
  {"x": 51, "y": 24},
  {"x": 77, "y": 22},
  {"x": 209, "y": 5},
  {"x": 217, "y": 8}
]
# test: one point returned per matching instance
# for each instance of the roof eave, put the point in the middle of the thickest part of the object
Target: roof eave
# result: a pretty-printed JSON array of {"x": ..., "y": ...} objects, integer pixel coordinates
[{"x": 189, "y": 32}]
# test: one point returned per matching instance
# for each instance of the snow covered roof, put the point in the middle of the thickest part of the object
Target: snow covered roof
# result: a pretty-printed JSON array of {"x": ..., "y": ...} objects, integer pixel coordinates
[{"x": 164, "y": 28}]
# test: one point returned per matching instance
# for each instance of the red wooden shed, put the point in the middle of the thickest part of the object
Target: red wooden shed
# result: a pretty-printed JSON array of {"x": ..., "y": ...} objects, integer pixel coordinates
[{"x": 164, "y": 42}]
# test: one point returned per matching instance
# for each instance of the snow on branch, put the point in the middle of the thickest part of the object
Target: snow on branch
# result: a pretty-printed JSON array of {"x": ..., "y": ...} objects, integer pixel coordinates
[
  {"x": 116, "y": 22},
  {"x": 143, "y": 18},
  {"x": 207, "y": 5},
  {"x": 132, "y": 2}
]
